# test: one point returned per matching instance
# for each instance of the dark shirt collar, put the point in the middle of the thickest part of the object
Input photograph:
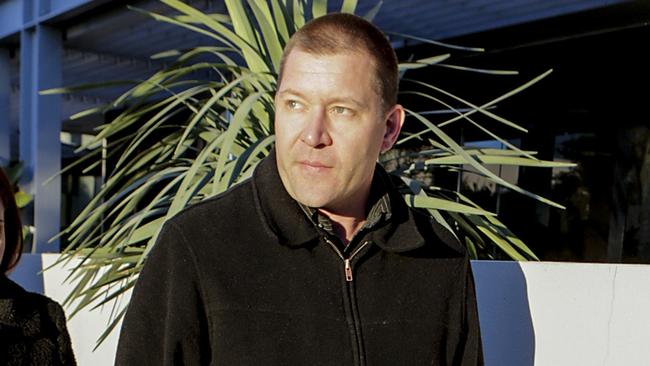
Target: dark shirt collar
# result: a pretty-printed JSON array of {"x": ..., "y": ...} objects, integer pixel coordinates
[
  {"x": 287, "y": 220},
  {"x": 377, "y": 210}
]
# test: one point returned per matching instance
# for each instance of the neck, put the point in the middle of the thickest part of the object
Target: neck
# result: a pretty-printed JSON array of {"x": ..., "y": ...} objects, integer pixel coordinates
[
  {"x": 349, "y": 217},
  {"x": 347, "y": 221},
  {"x": 345, "y": 226}
]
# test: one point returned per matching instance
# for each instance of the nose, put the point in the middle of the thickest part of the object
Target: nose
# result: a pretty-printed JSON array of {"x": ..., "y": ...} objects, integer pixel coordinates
[{"x": 315, "y": 133}]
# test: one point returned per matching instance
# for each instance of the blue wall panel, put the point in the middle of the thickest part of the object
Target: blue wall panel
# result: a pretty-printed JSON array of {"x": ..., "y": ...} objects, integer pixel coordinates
[
  {"x": 60, "y": 6},
  {"x": 28, "y": 273},
  {"x": 504, "y": 312},
  {"x": 11, "y": 17}
]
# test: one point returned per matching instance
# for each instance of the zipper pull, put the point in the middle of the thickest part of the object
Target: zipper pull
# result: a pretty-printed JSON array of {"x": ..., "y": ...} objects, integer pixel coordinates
[{"x": 348, "y": 270}]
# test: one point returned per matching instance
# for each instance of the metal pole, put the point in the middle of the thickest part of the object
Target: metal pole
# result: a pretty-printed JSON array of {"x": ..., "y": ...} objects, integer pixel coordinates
[{"x": 40, "y": 123}]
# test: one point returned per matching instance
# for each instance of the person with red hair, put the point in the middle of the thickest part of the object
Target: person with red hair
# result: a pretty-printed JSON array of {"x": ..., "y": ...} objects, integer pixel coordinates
[{"x": 32, "y": 326}]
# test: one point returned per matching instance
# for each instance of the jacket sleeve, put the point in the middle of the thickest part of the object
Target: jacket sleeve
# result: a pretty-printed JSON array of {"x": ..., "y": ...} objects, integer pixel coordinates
[
  {"x": 471, "y": 352},
  {"x": 64, "y": 345},
  {"x": 166, "y": 322}
]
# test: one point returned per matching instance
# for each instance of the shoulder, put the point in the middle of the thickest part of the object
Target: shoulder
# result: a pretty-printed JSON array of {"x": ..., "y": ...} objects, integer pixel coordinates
[
  {"x": 36, "y": 327},
  {"x": 207, "y": 226},
  {"x": 439, "y": 240},
  {"x": 51, "y": 311},
  {"x": 214, "y": 208},
  {"x": 34, "y": 314},
  {"x": 439, "y": 237}
]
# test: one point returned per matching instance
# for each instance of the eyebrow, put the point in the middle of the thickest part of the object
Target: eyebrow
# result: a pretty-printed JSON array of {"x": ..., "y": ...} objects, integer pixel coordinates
[
  {"x": 289, "y": 91},
  {"x": 346, "y": 99}
]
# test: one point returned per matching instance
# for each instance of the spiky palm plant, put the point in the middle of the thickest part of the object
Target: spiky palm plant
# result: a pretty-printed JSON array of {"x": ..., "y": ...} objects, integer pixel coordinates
[{"x": 180, "y": 139}]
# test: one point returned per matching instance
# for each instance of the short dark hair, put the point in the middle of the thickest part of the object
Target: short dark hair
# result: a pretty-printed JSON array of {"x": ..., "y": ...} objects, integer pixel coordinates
[
  {"x": 340, "y": 33},
  {"x": 13, "y": 226}
]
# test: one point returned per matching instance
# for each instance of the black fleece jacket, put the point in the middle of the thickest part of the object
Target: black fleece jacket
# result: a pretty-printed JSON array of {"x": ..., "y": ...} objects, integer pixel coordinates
[
  {"x": 246, "y": 279},
  {"x": 33, "y": 329}
]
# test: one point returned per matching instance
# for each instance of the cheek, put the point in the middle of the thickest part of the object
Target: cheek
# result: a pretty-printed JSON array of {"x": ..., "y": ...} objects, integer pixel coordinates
[
  {"x": 363, "y": 141},
  {"x": 280, "y": 135},
  {"x": 283, "y": 142},
  {"x": 279, "y": 126},
  {"x": 287, "y": 129}
]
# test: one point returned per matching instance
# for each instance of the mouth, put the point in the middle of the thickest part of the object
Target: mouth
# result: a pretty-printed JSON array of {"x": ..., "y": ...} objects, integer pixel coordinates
[{"x": 313, "y": 164}]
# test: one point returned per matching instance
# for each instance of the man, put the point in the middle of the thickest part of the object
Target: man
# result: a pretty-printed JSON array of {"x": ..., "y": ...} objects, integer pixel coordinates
[{"x": 316, "y": 260}]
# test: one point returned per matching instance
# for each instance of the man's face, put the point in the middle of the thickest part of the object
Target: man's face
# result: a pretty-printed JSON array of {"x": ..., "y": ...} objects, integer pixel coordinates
[{"x": 330, "y": 128}]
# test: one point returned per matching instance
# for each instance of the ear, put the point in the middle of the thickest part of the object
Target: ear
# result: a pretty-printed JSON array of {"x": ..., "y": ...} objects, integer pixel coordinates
[{"x": 394, "y": 121}]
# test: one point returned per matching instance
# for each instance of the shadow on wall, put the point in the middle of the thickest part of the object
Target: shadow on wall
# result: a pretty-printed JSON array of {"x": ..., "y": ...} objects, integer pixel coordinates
[
  {"x": 28, "y": 273},
  {"x": 504, "y": 313}
]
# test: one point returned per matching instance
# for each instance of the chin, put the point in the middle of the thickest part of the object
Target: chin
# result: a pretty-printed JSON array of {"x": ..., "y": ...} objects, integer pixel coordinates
[{"x": 312, "y": 200}]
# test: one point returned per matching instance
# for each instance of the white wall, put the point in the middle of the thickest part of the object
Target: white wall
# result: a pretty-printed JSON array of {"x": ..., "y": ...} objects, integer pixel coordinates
[
  {"x": 87, "y": 326},
  {"x": 546, "y": 314},
  {"x": 577, "y": 313}
]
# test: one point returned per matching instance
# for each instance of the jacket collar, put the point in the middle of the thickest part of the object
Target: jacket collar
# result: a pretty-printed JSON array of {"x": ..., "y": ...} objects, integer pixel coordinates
[
  {"x": 289, "y": 223},
  {"x": 281, "y": 212},
  {"x": 401, "y": 232}
]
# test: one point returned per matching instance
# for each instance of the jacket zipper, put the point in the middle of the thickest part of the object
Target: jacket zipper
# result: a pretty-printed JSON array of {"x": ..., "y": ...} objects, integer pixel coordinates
[
  {"x": 347, "y": 267},
  {"x": 357, "y": 343}
]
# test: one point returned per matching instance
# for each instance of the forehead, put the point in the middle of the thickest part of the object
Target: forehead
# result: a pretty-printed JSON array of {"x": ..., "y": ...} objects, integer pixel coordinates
[
  {"x": 339, "y": 73},
  {"x": 304, "y": 63}
]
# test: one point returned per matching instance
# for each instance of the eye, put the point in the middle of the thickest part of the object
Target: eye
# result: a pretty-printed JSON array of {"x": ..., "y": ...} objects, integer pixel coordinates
[
  {"x": 293, "y": 104},
  {"x": 341, "y": 110}
]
